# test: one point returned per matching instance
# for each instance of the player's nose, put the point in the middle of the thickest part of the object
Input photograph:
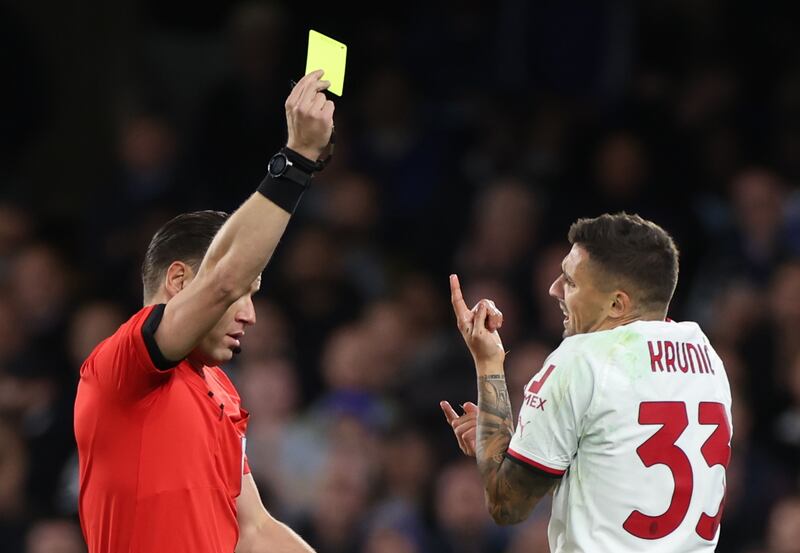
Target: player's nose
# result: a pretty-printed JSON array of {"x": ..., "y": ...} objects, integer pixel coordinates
[{"x": 557, "y": 288}]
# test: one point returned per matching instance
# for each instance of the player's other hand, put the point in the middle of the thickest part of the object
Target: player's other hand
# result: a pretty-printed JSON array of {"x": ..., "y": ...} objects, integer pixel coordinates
[
  {"x": 309, "y": 116},
  {"x": 478, "y": 326},
  {"x": 464, "y": 427}
]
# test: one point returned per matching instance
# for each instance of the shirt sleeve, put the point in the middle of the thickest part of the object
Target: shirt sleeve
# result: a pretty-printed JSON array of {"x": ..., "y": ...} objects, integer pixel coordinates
[
  {"x": 125, "y": 362},
  {"x": 551, "y": 419}
]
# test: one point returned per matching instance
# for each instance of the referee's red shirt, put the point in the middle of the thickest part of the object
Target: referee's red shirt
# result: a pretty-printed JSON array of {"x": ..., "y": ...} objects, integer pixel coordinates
[{"x": 161, "y": 451}]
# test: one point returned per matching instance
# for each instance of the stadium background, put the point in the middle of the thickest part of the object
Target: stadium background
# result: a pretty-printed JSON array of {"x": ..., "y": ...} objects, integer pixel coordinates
[{"x": 470, "y": 135}]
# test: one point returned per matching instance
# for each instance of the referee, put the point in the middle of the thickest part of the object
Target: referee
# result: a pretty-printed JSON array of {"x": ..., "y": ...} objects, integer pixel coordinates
[{"x": 159, "y": 426}]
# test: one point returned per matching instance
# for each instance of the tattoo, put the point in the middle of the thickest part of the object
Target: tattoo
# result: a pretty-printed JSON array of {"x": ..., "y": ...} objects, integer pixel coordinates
[
  {"x": 494, "y": 423},
  {"x": 511, "y": 490}
]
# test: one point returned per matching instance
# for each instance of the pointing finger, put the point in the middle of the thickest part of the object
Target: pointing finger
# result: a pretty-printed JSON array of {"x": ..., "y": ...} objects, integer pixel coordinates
[
  {"x": 457, "y": 299},
  {"x": 449, "y": 412}
]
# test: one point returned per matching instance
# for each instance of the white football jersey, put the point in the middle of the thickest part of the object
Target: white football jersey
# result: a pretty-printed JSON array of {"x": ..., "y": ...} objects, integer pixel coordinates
[{"x": 638, "y": 421}]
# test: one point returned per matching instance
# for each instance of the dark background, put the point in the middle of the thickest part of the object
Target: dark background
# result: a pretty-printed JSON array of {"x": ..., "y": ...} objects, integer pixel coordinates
[{"x": 470, "y": 135}]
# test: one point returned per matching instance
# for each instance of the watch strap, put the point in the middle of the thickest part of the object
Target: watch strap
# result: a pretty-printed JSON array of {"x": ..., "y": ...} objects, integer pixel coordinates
[{"x": 300, "y": 161}]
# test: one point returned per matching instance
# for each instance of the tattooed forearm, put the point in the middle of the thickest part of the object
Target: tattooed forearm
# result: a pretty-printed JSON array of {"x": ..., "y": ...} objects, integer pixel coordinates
[
  {"x": 511, "y": 490},
  {"x": 495, "y": 426}
]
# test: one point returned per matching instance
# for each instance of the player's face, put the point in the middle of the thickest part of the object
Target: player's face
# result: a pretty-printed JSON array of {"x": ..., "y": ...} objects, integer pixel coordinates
[
  {"x": 224, "y": 340},
  {"x": 580, "y": 300}
]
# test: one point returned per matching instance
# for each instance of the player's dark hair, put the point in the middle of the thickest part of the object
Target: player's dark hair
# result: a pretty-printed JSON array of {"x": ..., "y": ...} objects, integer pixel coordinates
[
  {"x": 183, "y": 238},
  {"x": 636, "y": 250}
]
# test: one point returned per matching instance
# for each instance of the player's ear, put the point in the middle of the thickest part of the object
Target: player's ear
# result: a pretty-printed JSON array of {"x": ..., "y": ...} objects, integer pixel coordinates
[
  {"x": 621, "y": 304},
  {"x": 178, "y": 275}
]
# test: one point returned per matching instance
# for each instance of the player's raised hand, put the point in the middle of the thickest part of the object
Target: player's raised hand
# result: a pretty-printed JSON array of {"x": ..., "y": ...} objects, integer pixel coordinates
[
  {"x": 464, "y": 427},
  {"x": 478, "y": 326},
  {"x": 309, "y": 116}
]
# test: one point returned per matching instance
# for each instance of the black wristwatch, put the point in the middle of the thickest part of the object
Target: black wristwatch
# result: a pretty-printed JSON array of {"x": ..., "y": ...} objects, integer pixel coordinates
[{"x": 281, "y": 167}]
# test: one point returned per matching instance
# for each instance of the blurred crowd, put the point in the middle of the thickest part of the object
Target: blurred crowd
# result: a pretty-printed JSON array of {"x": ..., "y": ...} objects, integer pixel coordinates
[{"x": 467, "y": 141}]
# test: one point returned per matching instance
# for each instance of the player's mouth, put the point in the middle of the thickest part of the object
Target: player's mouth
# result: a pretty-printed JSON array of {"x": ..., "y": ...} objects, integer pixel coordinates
[
  {"x": 235, "y": 340},
  {"x": 565, "y": 312}
]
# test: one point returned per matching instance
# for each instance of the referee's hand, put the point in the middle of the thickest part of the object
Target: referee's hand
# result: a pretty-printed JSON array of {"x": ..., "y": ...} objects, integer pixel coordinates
[{"x": 309, "y": 116}]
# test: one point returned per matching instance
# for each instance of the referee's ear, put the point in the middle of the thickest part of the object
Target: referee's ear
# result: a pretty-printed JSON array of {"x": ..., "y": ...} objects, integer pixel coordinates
[{"x": 177, "y": 277}]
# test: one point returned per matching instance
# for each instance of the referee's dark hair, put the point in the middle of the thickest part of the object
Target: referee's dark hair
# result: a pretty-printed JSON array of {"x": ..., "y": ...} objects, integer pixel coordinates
[
  {"x": 634, "y": 250},
  {"x": 183, "y": 238}
]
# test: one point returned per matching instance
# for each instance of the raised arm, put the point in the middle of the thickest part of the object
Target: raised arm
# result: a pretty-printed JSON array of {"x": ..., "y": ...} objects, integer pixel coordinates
[
  {"x": 245, "y": 243},
  {"x": 512, "y": 490}
]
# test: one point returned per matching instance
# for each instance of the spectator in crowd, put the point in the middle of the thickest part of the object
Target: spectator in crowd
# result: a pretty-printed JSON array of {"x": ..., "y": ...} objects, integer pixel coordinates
[
  {"x": 55, "y": 536},
  {"x": 462, "y": 521},
  {"x": 783, "y": 530}
]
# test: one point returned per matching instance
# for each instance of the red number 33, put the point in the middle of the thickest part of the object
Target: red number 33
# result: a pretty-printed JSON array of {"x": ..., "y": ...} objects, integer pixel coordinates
[{"x": 660, "y": 449}]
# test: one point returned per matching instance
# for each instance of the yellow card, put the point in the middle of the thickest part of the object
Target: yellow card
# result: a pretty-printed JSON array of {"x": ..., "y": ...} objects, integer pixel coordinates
[{"x": 330, "y": 55}]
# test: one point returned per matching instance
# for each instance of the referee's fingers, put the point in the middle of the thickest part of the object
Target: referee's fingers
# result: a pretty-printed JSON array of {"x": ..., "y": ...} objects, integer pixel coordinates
[
  {"x": 299, "y": 87},
  {"x": 309, "y": 82},
  {"x": 310, "y": 93},
  {"x": 318, "y": 102},
  {"x": 327, "y": 110}
]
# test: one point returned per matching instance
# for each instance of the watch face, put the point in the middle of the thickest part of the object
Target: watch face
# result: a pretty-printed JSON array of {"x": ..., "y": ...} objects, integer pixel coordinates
[{"x": 277, "y": 165}]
